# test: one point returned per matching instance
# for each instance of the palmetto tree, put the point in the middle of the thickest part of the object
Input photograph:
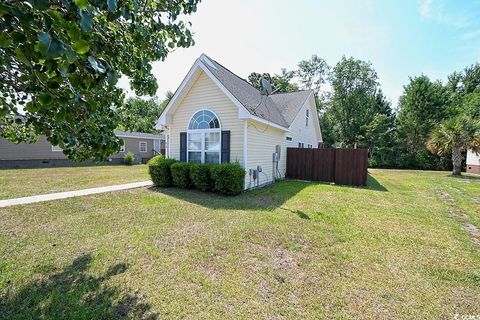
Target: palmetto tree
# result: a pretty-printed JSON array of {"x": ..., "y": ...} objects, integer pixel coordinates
[{"x": 455, "y": 136}]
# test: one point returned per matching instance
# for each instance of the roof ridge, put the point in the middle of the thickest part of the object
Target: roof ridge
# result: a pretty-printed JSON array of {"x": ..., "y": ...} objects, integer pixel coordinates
[
  {"x": 236, "y": 75},
  {"x": 296, "y": 91}
]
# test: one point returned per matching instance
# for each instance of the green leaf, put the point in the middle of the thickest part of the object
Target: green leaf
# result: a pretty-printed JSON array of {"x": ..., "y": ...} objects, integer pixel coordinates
[
  {"x": 81, "y": 46},
  {"x": 82, "y": 4},
  {"x": 112, "y": 77},
  {"x": 31, "y": 107},
  {"x": 40, "y": 4},
  {"x": 96, "y": 65},
  {"x": 44, "y": 99},
  {"x": 71, "y": 55},
  {"x": 74, "y": 32},
  {"x": 21, "y": 56},
  {"x": 50, "y": 47},
  {"x": 4, "y": 41},
  {"x": 86, "y": 19},
  {"x": 112, "y": 5}
]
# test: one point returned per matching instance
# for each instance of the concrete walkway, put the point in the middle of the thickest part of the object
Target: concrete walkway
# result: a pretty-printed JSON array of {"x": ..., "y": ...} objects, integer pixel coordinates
[{"x": 71, "y": 194}]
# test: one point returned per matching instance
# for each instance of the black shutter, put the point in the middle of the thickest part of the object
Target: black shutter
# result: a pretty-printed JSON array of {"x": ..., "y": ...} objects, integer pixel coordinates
[
  {"x": 225, "y": 156},
  {"x": 183, "y": 146}
]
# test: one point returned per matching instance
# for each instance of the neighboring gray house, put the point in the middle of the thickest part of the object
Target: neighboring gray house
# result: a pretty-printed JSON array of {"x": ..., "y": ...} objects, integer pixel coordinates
[{"x": 42, "y": 153}]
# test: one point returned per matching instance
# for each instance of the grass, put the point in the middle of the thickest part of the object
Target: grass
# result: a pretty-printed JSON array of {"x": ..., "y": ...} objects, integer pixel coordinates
[
  {"x": 15, "y": 183},
  {"x": 395, "y": 249}
]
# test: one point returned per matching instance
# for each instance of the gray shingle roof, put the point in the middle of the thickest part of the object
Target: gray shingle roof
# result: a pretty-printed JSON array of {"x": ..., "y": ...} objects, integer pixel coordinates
[
  {"x": 278, "y": 108},
  {"x": 137, "y": 134}
]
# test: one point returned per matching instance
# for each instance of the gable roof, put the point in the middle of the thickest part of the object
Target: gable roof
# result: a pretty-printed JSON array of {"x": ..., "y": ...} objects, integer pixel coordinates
[{"x": 278, "y": 109}]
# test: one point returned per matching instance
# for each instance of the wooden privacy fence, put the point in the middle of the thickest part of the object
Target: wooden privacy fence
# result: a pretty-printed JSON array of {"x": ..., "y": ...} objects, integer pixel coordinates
[{"x": 342, "y": 166}]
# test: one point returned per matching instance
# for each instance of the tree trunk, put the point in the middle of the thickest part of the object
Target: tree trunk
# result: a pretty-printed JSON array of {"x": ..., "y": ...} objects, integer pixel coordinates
[{"x": 457, "y": 161}]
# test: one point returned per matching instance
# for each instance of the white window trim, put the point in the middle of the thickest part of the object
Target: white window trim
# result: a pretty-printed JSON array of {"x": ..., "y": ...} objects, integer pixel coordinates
[
  {"x": 303, "y": 144},
  {"x": 140, "y": 146},
  {"x": 56, "y": 149},
  {"x": 122, "y": 148},
  {"x": 202, "y": 149},
  {"x": 307, "y": 117},
  {"x": 203, "y": 132},
  {"x": 289, "y": 138},
  {"x": 310, "y": 146}
]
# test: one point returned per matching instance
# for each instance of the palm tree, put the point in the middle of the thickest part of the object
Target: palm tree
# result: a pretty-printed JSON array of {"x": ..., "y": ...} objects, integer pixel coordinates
[{"x": 455, "y": 136}]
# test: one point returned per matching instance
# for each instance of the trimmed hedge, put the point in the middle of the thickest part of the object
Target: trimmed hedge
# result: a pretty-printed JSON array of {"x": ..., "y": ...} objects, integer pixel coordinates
[
  {"x": 228, "y": 178},
  {"x": 159, "y": 170},
  {"x": 201, "y": 176},
  {"x": 181, "y": 174}
]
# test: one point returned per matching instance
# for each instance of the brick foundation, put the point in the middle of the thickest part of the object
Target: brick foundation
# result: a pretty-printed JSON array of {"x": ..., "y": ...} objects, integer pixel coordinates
[{"x": 471, "y": 168}]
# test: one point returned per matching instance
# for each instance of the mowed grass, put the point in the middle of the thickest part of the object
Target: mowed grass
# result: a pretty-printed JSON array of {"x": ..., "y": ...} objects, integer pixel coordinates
[
  {"x": 395, "y": 249},
  {"x": 15, "y": 183}
]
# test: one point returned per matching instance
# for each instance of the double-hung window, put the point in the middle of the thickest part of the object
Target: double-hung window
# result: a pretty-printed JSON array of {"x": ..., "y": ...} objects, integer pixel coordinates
[
  {"x": 142, "y": 146},
  {"x": 203, "y": 138}
]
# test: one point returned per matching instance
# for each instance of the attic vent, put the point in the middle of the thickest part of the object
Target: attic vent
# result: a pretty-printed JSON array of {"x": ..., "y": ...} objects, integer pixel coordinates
[{"x": 209, "y": 62}]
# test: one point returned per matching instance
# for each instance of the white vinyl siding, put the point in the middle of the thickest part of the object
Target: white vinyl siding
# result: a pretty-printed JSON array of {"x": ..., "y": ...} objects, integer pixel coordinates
[
  {"x": 204, "y": 94},
  {"x": 300, "y": 131}
]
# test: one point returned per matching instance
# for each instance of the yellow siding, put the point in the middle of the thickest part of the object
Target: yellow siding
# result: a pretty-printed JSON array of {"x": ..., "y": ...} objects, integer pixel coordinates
[
  {"x": 204, "y": 94},
  {"x": 261, "y": 145}
]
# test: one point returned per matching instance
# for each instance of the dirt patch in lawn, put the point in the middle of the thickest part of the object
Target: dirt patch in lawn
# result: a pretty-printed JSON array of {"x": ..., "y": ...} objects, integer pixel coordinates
[{"x": 462, "y": 218}]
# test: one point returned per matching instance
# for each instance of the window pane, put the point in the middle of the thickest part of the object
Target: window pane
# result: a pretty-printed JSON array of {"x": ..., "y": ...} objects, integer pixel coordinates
[
  {"x": 212, "y": 141},
  {"x": 195, "y": 157},
  {"x": 194, "y": 141},
  {"x": 212, "y": 157},
  {"x": 204, "y": 120}
]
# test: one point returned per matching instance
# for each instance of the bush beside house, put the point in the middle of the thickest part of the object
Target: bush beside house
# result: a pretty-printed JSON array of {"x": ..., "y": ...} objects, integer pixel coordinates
[
  {"x": 225, "y": 178},
  {"x": 201, "y": 175},
  {"x": 181, "y": 174},
  {"x": 160, "y": 172}
]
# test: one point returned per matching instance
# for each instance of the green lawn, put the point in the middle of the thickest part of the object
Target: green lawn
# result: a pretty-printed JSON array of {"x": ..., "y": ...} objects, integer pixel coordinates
[
  {"x": 16, "y": 183},
  {"x": 404, "y": 247}
]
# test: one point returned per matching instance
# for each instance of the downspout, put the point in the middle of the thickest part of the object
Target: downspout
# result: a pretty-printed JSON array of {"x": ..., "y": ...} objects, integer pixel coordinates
[{"x": 245, "y": 149}]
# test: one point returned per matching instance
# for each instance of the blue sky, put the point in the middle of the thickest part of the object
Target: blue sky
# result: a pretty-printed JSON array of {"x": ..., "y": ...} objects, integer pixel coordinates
[{"x": 400, "y": 38}]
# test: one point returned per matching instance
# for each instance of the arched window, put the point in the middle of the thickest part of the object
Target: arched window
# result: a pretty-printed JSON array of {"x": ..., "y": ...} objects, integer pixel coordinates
[
  {"x": 204, "y": 119},
  {"x": 203, "y": 138}
]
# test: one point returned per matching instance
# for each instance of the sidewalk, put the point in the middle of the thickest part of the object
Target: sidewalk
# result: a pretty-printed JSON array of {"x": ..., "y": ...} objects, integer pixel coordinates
[{"x": 71, "y": 194}]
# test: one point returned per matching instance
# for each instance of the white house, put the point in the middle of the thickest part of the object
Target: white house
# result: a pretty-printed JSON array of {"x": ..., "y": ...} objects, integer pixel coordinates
[
  {"x": 216, "y": 116},
  {"x": 473, "y": 162}
]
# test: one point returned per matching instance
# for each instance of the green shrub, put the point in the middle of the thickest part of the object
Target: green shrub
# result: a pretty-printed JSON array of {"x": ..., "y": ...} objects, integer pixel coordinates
[
  {"x": 156, "y": 159},
  {"x": 201, "y": 176},
  {"x": 228, "y": 178},
  {"x": 159, "y": 170},
  {"x": 181, "y": 174},
  {"x": 128, "y": 158}
]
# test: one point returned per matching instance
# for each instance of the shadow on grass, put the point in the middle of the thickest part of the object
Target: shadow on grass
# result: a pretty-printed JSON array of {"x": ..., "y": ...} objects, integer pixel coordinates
[
  {"x": 373, "y": 184},
  {"x": 73, "y": 293},
  {"x": 465, "y": 177},
  {"x": 267, "y": 198}
]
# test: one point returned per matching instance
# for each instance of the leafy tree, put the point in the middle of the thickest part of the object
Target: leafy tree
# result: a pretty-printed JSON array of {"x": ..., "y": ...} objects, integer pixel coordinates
[
  {"x": 60, "y": 61},
  {"x": 354, "y": 84},
  {"x": 280, "y": 82},
  {"x": 422, "y": 106},
  {"x": 379, "y": 134},
  {"x": 140, "y": 115},
  {"x": 455, "y": 136},
  {"x": 283, "y": 82},
  {"x": 313, "y": 73}
]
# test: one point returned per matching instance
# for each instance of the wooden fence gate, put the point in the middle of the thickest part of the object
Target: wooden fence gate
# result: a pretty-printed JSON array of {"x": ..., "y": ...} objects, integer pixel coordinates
[{"x": 342, "y": 166}]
